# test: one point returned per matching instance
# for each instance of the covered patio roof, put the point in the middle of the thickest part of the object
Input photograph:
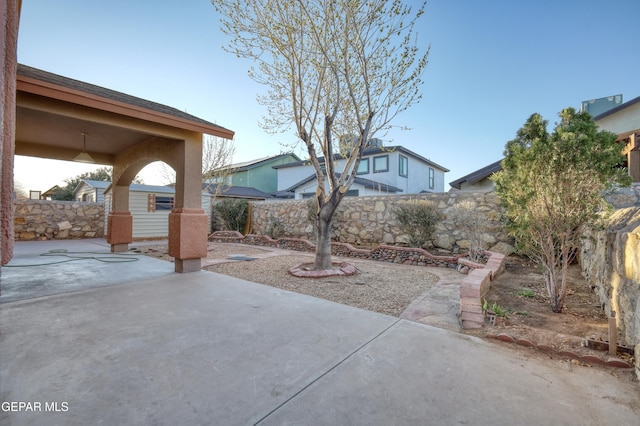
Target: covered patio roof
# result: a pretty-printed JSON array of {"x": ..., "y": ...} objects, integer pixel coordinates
[{"x": 52, "y": 113}]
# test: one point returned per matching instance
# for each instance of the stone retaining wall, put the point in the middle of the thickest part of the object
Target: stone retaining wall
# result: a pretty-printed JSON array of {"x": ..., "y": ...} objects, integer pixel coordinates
[
  {"x": 57, "y": 220},
  {"x": 610, "y": 260},
  {"x": 371, "y": 220}
]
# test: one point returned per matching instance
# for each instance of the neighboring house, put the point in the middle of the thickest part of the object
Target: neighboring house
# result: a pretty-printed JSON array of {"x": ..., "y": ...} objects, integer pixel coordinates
[
  {"x": 624, "y": 120},
  {"x": 258, "y": 174},
  {"x": 226, "y": 191},
  {"x": 150, "y": 207},
  {"x": 383, "y": 170},
  {"x": 50, "y": 193},
  {"x": 91, "y": 191},
  {"x": 359, "y": 188},
  {"x": 478, "y": 180}
]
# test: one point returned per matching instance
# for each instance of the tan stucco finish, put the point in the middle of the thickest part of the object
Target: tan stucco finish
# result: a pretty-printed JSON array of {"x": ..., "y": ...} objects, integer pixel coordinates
[{"x": 9, "y": 21}]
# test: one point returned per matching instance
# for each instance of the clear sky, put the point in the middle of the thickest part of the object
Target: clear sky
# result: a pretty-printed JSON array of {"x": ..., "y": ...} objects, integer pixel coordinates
[{"x": 492, "y": 64}]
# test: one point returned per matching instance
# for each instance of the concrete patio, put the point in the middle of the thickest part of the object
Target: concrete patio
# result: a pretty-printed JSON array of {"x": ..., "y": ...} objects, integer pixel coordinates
[{"x": 135, "y": 343}]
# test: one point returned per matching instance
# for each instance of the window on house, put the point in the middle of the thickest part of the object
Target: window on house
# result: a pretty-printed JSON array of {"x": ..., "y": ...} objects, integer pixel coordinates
[
  {"x": 363, "y": 168},
  {"x": 159, "y": 203},
  {"x": 431, "y": 178},
  {"x": 381, "y": 164},
  {"x": 403, "y": 166}
]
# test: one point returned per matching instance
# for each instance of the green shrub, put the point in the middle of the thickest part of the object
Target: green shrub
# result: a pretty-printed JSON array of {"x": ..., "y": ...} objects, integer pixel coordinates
[
  {"x": 498, "y": 310},
  {"x": 417, "y": 219},
  {"x": 232, "y": 213},
  {"x": 526, "y": 292}
]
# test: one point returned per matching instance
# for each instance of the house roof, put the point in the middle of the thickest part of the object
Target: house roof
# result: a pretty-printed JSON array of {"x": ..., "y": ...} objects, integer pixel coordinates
[
  {"x": 51, "y": 191},
  {"x": 136, "y": 187},
  {"x": 617, "y": 109},
  {"x": 97, "y": 184},
  {"x": 246, "y": 165},
  {"x": 478, "y": 175},
  {"x": 235, "y": 191},
  {"x": 369, "y": 151},
  {"x": 367, "y": 183},
  {"x": 101, "y": 184},
  {"x": 284, "y": 194}
]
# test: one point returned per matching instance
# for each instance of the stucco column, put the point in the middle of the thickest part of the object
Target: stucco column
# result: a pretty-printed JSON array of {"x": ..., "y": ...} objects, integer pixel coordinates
[
  {"x": 9, "y": 22},
  {"x": 120, "y": 221},
  {"x": 188, "y": 221}
]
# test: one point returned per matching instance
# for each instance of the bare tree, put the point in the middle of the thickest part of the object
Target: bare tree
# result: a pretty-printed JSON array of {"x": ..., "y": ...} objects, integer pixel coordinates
[
  {"x": 217, "y": 154},
  {"x": 20, "y": 190},
  {"x": 471, "y": 221},
  {"x": 338, "y": 70}
]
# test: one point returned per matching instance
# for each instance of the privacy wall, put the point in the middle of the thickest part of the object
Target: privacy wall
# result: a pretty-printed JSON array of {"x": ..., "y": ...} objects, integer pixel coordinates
[
  {"x": 57, "y": 220},
  {"x": 371, "y": 220}
]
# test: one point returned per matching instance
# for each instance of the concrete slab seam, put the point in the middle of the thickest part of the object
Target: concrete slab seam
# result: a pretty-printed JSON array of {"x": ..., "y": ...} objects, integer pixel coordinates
[{"x": 338, "y": 364}]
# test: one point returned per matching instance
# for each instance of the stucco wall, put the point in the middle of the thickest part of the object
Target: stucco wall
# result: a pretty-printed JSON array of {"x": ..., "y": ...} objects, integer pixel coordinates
[
  {"x": 57, "y": 220},
  {"x": 371, "y": 220},
  {"x": 621, "y": 121},
  {"x": 9, "y": 22}
]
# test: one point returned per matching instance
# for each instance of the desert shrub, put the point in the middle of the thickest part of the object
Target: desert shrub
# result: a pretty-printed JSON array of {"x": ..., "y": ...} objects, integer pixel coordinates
[
  {"x": 471, "y": 221},
  {"x": 232, "y": 213},
  {"x": 275, "y": 228},
  {"x": 417, "y": 219}
]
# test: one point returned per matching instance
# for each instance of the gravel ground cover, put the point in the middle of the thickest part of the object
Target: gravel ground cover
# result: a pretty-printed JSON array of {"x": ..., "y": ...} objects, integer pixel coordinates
[{"x": 380, "y": 287}]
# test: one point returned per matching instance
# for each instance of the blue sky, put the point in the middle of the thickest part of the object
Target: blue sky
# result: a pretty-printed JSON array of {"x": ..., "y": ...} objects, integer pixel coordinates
[{"x": 492, "y": 64}]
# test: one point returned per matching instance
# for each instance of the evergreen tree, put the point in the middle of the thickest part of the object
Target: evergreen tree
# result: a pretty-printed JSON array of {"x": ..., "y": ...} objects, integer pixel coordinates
[{"x": 552, "y": 185}]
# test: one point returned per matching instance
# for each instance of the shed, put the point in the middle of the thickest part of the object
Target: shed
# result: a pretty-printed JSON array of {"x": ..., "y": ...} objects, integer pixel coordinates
[
  {"x": 91, "y": 191},
  {"x": 150, "y": 206}
]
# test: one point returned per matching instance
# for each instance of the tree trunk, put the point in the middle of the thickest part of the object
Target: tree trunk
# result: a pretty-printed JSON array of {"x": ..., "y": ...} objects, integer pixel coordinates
[
  {"x": 323, "y": 243},
  {"x": 555, "y": 297}
]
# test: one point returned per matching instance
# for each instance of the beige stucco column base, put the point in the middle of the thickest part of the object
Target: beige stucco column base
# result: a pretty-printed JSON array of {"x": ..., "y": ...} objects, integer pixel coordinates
[
  {"x": 188, "y": 238},
  {"x": 120, "y": 231}
]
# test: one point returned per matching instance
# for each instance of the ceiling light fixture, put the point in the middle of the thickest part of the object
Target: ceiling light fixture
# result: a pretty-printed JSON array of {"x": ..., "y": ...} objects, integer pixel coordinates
[{"x": 84, "y": 156}]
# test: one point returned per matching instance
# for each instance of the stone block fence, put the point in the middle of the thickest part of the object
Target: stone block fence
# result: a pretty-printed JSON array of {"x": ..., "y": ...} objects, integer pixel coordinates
[
  {"x": 57, "y": 220},
  {"x": 371, "y": 221},
  {"x": 610, "y": 261}
]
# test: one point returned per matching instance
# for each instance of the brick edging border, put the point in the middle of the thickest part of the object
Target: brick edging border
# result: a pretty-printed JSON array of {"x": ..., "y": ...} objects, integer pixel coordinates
[
  {"x": 473, "y": 289},
  {"x": 608, "y": 361}
]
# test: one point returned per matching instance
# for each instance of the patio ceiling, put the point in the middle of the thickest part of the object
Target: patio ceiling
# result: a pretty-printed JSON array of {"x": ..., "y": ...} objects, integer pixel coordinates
[{"x": 49, "y": 135}]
